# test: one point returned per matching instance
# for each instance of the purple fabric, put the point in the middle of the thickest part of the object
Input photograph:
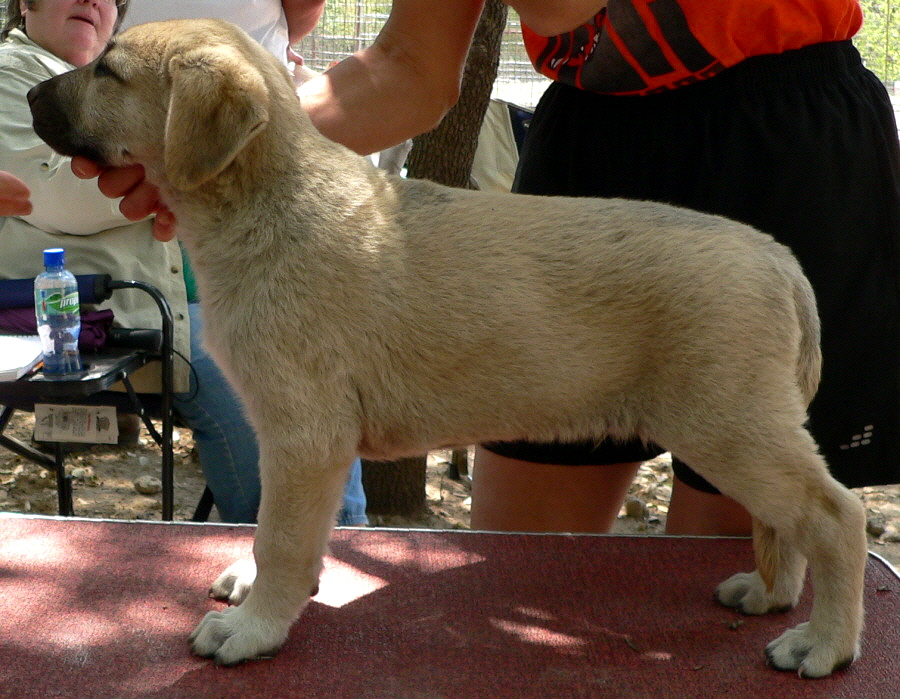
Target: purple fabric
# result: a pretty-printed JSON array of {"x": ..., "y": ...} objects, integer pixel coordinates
[{"x": 95, "y": 326}]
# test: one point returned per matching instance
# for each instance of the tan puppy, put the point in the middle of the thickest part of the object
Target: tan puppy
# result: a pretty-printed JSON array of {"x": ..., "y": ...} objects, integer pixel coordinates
[{"x": 358, "y": 313}]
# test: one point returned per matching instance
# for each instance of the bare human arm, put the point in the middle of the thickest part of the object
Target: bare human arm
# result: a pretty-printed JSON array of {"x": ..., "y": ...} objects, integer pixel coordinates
[
  {"x": 419, "y": 55},
  {"x": 403, "y": 83},
  {"x": 397, "y": 88},
  {"x": 302, "y": 17},
  {"x": 552, "y": 18}
]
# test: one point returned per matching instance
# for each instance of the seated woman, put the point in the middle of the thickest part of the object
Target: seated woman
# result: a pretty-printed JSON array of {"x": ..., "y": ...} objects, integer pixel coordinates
[{"x": 38, "y": 41}]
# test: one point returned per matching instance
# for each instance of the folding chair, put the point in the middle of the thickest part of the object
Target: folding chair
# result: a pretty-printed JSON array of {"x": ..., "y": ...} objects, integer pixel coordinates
[{"x": 126, "y": 351}]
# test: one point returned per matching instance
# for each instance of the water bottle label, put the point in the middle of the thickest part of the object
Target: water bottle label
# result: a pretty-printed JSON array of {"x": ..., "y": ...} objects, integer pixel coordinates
[{"x": 56, "y": 301}]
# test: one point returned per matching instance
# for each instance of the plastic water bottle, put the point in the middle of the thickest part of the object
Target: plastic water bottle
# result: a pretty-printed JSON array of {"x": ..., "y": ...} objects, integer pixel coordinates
[{"x": 58, "y": 316}]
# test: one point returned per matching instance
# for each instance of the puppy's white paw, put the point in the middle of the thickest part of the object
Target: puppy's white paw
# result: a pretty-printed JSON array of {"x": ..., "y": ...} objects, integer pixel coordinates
[
  {"x": 748, "y": 593},
  {"x": 235, "y": 583},
  {"x": 233, "y": 636},
  {"x": 802, "y": 650}
]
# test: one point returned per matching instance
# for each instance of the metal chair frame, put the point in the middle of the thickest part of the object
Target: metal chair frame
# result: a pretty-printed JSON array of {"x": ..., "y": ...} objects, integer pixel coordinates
[{"x": 109, "y": 366}]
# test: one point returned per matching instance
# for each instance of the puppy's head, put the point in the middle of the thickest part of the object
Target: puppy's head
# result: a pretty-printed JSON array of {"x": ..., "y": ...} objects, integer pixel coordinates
[{"x": 183, "y": 98}]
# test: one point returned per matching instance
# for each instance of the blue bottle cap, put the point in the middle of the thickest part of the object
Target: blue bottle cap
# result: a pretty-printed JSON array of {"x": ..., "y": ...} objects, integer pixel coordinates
[{"x": 54, "y": 257}]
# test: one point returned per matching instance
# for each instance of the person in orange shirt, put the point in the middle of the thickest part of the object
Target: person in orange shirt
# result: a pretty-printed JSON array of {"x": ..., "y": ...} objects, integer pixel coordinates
[{"x": 760, "y": 110}]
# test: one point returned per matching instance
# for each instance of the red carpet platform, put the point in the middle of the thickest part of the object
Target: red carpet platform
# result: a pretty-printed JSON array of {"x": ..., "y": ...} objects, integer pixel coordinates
[{"x": 103, "y": 609}]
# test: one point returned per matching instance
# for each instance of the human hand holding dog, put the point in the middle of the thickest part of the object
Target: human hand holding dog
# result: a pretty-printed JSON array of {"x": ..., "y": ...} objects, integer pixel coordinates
[
  {"x": 14, "y": 196},
  {"x": 139, "y": 198}
]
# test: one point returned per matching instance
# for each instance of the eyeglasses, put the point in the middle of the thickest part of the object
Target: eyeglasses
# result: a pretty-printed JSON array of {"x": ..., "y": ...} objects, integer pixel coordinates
[{"x": 117, "y": 3}]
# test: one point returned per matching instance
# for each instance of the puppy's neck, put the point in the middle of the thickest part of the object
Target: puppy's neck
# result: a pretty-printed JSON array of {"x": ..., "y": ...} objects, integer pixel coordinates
[{"x": 289, "y": 166}]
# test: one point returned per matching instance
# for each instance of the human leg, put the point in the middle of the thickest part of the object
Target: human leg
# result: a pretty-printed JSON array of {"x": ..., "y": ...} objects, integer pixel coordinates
[
  {"x": 510, "y": 494},
  {"x": 353, "y": 511},
  {"x": 695, "y": 510}
]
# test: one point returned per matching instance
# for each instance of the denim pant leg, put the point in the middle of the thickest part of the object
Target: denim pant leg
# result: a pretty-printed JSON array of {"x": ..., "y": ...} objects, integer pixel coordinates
[
  {"x": 229, "y": 455},
  {"x": 353, "y": 513}
]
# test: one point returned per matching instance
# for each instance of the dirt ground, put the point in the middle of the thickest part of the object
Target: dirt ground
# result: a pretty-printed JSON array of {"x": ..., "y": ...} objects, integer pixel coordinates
[{"x": 107, "y": 480}]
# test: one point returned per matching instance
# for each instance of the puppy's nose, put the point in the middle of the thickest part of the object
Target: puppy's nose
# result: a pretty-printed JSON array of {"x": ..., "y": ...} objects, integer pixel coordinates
[{"x": 32, "y": 94}]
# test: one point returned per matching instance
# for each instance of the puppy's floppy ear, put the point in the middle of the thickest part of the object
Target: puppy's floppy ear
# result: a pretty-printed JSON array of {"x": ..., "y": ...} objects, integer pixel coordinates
[{"x": 218, "y": 103}]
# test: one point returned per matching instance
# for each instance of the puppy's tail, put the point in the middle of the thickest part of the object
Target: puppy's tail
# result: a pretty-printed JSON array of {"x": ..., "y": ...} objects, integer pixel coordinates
[{"x": 809, "y": 360}]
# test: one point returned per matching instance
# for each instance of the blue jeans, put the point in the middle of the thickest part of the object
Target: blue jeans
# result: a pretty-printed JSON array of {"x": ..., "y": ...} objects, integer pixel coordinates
[
  {"x": 229, "y": 455},
  {"x": 353, "y": 511}
]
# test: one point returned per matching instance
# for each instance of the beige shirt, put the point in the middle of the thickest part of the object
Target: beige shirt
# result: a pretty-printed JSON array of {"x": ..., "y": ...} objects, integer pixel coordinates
[{"x": 73, "y": 214}]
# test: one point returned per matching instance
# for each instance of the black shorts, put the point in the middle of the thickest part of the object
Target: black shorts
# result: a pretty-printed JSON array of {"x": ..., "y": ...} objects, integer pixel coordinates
[{"x": 801, "y": 145}]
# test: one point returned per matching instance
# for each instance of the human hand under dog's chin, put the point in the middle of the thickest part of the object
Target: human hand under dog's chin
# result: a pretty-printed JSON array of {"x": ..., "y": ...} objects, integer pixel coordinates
[
  {"x": 164, "y": 224},
  {"x": 139, "y": 198},
  {"x": 14, "y": 196}
]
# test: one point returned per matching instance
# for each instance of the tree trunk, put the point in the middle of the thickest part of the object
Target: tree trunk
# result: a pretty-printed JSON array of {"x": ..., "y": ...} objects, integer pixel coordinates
[
  {"x": 445, "y": 156},
  {"x": 395, "y": 487}
]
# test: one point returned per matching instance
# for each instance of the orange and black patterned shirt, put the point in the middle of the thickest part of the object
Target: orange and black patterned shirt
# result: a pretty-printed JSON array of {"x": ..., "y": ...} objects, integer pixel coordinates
[{"x": 645, "y": 46}]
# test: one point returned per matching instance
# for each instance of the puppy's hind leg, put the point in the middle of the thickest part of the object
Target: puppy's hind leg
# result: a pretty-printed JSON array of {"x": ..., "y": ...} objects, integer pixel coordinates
[
  {"x": 776, "y": 583},
  {"x": 833, "y": 538},
  {"x": 803, "y": 512},
  {"x": 297, "y": 514}
]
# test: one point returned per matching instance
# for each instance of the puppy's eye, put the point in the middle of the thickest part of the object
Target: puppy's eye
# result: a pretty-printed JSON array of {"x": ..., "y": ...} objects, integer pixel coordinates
[{"x": 102, "y": 70}]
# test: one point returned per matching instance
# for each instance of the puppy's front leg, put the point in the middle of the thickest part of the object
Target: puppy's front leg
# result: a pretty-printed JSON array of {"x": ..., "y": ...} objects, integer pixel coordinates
[
  {"x": 296, "y": 518},
  {"x": 235, "y": 582}
]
